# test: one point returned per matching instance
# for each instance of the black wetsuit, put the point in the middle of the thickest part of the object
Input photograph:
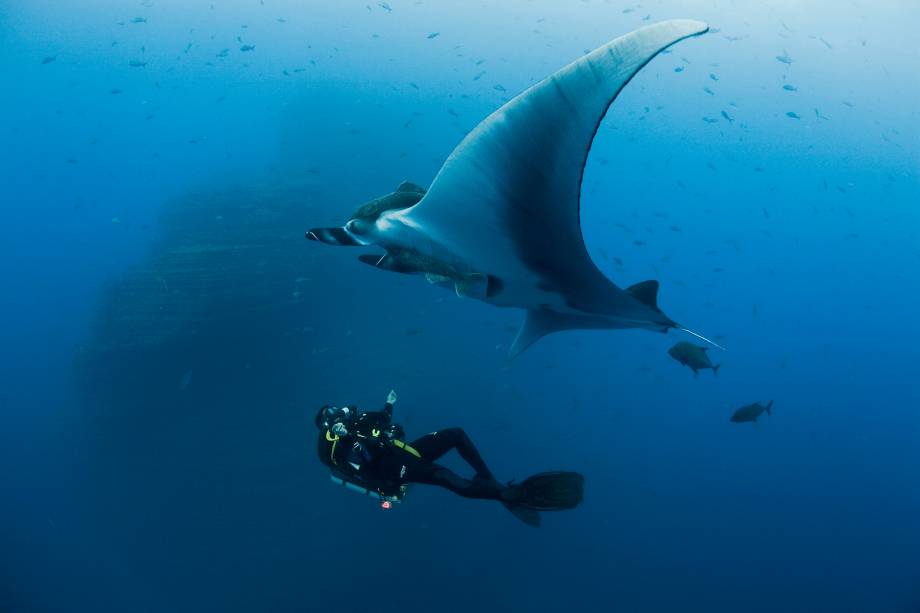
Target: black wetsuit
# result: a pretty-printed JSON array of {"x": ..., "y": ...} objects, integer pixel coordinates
[{"x": 372, "y": 455}]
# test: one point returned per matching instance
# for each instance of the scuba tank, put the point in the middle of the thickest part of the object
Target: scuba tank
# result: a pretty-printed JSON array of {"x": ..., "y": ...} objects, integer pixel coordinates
[{"x": 387, "y": 500}]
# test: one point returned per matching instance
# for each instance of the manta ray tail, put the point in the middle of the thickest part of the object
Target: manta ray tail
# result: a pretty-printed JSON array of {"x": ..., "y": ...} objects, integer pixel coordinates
[{"x": 701, "y": 337}]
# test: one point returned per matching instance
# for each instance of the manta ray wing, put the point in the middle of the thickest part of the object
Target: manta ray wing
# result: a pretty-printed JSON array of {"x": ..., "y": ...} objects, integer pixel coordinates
[{"x": 506, "y": 201}]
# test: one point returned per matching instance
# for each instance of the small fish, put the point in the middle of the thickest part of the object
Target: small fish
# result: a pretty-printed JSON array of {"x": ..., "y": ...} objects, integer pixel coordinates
[
  {"x": 453, "y": 112},
  {"x": 499, "y": 87},
  {"x": 479, "y": 76},
  {"x": 433, "y": 35},
  {"x": 223, "y": 53},
  {"x": 709, "y": 91},
  {"x": 385, "y": 6},
  {"x": 115, "y": 91},
  {"x": 710, "y": 119},
  {"x": 137, "y": 63},
  {"x": 188, "y": 48},
  {"x": 48, "y": 59},
  {"x": 751, "y": 412},
  {"x": 713, "y": 76},
  {"x": 679, "y": 69},
  {"x": 139, "y": 20},
  {"x": 694, "y": 357},
  {"x": 790, "y": 88},
  {"x": 247, "y": 48},
  {"x": 793, "y": 115},
  {"x": 727, "y": 117},
  {"x": 784, "y": 58}
]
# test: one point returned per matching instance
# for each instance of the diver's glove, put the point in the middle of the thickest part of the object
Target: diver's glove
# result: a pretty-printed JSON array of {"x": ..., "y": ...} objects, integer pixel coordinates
[
  {"x": 339, "y": 429},
  {"x": 391, "y": 397}
]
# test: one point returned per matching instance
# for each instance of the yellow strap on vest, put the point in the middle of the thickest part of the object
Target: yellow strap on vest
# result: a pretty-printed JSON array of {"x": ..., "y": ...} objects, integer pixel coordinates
[
  {"x": 408, "y": 448},
  {"x": 375, "y": 432},
  {"x": 334, "y": 439}
]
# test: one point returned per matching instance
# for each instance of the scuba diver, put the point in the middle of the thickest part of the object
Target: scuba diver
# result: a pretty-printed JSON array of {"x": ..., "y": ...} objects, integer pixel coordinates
[{"x": 366, "y": 453}]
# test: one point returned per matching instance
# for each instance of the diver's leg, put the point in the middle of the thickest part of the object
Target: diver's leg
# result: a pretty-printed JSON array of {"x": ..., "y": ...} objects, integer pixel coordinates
[
  {"x": 419, "y": 471},
  {"x": 433, "y": 446}
]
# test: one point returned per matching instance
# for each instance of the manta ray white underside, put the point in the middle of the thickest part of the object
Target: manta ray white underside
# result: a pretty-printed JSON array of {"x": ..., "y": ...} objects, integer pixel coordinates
[{"x": 500, "y": 222}]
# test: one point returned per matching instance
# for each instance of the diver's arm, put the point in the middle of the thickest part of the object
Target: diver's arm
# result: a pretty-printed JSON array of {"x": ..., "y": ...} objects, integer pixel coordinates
[{"x": 388, "y": 407}]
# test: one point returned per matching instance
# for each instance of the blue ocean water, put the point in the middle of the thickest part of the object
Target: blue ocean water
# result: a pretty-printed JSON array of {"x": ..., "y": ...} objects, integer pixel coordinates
[{"x": 169, "y": 333}]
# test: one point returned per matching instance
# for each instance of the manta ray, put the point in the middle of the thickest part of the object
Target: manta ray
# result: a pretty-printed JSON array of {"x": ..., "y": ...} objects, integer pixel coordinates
[{"x": 500, "y": 222}]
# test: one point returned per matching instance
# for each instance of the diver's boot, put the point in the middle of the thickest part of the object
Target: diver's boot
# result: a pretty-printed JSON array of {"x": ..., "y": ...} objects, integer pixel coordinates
[{"x": 491, "y": 487}]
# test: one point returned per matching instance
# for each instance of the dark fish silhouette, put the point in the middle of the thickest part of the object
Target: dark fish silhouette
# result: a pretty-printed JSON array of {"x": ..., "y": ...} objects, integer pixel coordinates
[
  {"x": 751, "y": 412},
  {"x": 693, "y": 357}
]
